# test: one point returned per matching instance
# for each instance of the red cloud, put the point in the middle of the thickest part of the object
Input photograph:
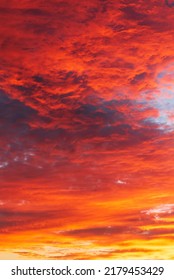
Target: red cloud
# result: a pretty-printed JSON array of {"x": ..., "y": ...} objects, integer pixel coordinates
[{"x": 86, "y": 131}]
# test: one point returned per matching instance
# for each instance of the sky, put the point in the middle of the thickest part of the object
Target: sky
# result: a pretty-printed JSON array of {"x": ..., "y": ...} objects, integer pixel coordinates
[{"x": 86, "y": 129}]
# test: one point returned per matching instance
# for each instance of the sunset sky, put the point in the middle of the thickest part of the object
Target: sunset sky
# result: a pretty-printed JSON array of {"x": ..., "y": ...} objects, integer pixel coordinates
[{"x": 86, "y": 129}]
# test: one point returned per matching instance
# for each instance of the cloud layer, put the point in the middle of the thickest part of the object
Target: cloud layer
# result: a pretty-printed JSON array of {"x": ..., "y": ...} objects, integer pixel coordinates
[{"x": 86, "y": 129}]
